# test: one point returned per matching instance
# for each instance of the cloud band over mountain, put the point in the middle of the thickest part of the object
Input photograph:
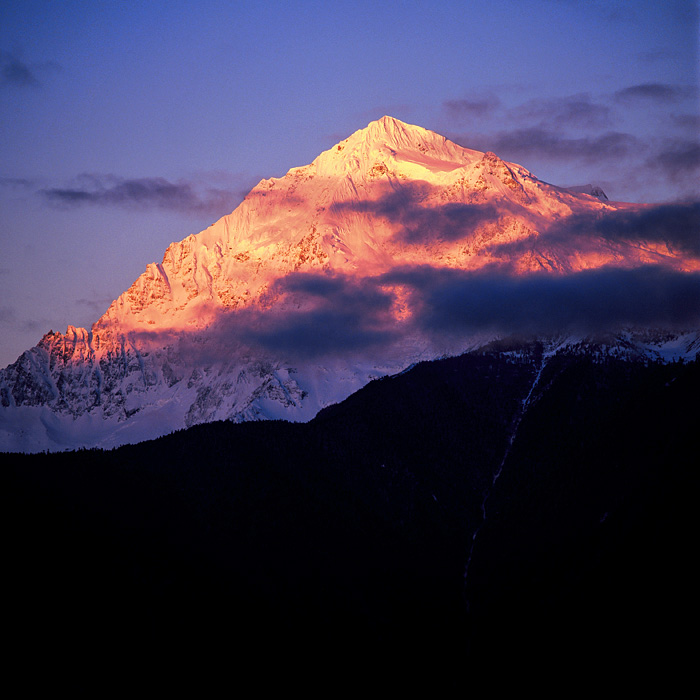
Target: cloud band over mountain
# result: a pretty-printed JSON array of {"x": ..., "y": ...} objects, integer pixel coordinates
[
  {"x": 675, "y": 225},
  {"x": 338, "y": 315},
  {"x": 454, "y": 301}
]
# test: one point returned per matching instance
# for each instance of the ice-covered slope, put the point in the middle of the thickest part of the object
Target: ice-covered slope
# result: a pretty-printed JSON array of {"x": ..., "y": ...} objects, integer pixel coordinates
[
  {"x": 351, "y": 211},
  {"x": 204, "y": 335}
]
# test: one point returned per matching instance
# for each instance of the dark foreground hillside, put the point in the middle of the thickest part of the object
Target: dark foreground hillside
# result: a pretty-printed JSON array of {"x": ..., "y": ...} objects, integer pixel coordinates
[{"x": 343, "y": 542}]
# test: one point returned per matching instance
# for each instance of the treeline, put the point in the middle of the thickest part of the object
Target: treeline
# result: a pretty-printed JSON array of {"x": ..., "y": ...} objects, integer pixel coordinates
[{"x": 347, "y": 537}]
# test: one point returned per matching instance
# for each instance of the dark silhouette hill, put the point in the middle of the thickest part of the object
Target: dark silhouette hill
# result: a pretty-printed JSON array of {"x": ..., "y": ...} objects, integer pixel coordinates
[{"x": 344, "y": 541}]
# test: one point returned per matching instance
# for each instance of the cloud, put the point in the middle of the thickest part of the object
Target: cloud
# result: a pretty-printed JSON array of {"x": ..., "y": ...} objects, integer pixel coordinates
[
  {"x": 519, "y": 144},
  {"x": 677, "y": 225},
  {"x": 316, "y": 333},
  {"x": 14, "y": 72},
  {"x": 687, "y": 121},
  {"x": 316, "y": 315},
  {"x": 144, "y": 193},
  {"x": 460, "y": 110},
  {"x": 554, "y": 128},
  {"x": 95, "y": 305},
  {"x": 679, "y": 160},
  {"x": 305, "y": 315},
  {"x": 15, "y": 182},
  {"x": 10, "y": 318},
  {"x": 420, "y": 224},
  {"x": 605, "y": 137},
  {"x": 334, "y": 314},
  {"x": 447, "y": 222},
  {"x": 654, "y": 92},
  {"x": 579, "y": 111},
  {"x": 325, "y": 314},
  {"x": 456, "y": 302},
  {"x": 17, "y": 73}
]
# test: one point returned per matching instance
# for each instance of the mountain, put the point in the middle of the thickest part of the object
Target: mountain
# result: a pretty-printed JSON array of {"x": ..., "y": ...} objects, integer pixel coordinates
[
  {"x": 593, "y": 190},
  {"x": 387, "y": 249},
  {"x": 511, "y": 510}
]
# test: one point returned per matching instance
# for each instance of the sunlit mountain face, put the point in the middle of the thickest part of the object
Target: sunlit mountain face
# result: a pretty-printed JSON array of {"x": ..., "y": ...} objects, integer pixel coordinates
[{"x": 394, "y": 246}]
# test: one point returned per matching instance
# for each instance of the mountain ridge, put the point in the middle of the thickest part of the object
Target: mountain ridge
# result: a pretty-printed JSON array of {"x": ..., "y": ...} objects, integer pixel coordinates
[{"x": 320, "y": 280}]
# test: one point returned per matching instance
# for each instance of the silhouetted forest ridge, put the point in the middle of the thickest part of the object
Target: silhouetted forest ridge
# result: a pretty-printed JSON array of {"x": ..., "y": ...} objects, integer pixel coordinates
[{"x": 348, "y": 536}]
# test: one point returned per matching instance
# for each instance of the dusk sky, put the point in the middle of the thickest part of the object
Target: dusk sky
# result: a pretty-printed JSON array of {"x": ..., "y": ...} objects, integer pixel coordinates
[{"x": 125, "y": 126}]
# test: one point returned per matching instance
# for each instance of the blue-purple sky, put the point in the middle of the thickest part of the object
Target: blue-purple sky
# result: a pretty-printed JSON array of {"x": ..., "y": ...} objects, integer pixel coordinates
[{"x": 127, "y": 125}]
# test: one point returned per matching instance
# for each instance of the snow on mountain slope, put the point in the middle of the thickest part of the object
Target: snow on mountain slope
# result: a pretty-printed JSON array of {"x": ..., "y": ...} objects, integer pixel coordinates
[{"x": 300, "y": 296}]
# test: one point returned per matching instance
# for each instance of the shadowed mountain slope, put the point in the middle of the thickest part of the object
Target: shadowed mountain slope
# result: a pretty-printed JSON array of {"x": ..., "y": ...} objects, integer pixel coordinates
[{"x": 563, "y": 479}]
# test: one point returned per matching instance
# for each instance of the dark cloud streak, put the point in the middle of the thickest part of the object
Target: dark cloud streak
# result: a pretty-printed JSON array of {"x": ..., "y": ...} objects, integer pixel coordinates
[
  {"x": 14, "y": 72},
  {"x": 519, "y": 144},
  {"x": 687, "y": 121},
  {"x": 676, "y": 225},
  {"x": 454, "y": 302},
  {"x": 679, "y": 161},
  {"x": 17, "y": 73},
  {"x": 596, "y": 133},
  {"x": 16, "y": 182},
  {"x": 335, "y": 314},
  {"x": 420, "y": 224},
  {"x": 654, "y": 92},
  {"x": 459, "y": 110},
  {"x": 579, "y": 111},
  {"x": 144, "y": 193},
  {"x": 309, "y": 315}
]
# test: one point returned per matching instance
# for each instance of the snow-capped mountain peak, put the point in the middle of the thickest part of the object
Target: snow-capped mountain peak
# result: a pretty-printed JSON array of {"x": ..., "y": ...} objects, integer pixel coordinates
[
  {"x": 391, "y": 147},
  {"x": 327, "y": 248}
]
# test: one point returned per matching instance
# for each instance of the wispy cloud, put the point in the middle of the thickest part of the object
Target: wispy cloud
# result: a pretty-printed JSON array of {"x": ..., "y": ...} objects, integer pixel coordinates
[
  {"x": 597, "y": 133},
  {"x": 16, "y": 182},
  {"x": 187, "y": 197},
  {"x": 14, "y": 321},
  {"x": 521, "y": 144},
  {"x": 676, "y": 225},
  {"x": 94, "y": 305},
  {"x": 309, "y": 315},
  {"x": 417, "y": 223},
  {"x": 687, "y": 121},
  {"x": 321, "y": 315},
  {"x": 679, "y": 161},
  {"x": 579, "y": 111},
  {"x": 15, "y": 72},
  {"x": 655, "y": 92},
  {"x": 454, "y": 301},
  {"x": 464, "y": 109}
]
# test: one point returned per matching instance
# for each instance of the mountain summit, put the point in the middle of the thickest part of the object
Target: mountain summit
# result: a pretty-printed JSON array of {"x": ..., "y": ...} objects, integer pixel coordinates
[{"x": 388, "y": 248}]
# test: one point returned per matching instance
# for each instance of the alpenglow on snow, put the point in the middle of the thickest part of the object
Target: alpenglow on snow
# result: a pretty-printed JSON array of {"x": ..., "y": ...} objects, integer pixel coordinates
[{"x": 390, "y": 248}]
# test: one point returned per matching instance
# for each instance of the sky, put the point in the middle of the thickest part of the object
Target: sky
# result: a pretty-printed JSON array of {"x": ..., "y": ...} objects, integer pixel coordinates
[{"x": 126, "y": 126}]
